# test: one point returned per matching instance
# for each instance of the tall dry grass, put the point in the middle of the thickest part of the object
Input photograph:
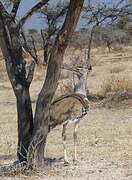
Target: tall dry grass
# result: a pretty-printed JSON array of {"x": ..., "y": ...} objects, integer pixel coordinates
[
  {"x": 117, "y": 83},
  {"x": 3, "y": 73}
]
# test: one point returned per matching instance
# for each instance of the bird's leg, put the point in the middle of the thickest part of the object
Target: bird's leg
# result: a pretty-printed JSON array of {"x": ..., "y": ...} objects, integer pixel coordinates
[
  {"x": 75, "y": 143},
  {"x": 64, "y": 144}
]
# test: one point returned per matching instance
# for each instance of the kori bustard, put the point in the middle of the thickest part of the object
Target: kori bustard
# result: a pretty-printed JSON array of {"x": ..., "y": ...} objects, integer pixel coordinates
[{"x": 71, "y": 108}]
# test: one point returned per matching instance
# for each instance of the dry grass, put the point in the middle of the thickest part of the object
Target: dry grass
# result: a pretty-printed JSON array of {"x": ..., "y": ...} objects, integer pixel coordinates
[
  {"x": 3, "y": 74},
  {"x": 117, "y": 69},
  {"x": 117, "y": 83},
  {"x": 104, "y": 146}
]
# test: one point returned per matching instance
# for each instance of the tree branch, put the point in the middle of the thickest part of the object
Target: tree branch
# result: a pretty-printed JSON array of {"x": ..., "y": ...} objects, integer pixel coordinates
[
  {"x": 46, "y": 38},
  {"x": 30, "y": 13},
  {"x": 61, "y": 13},
  {"x": 15, "y": 8},
  {"x": 2, "y": 8},
  {"x": 33, "y": 53},
  {"x": 4, "y": 13},
  {"x": 56, "y": 58},
  {"x": 6, "y": 49},
  {"x": 30, "y": 73},
  {"x": 34, "y": 50}
]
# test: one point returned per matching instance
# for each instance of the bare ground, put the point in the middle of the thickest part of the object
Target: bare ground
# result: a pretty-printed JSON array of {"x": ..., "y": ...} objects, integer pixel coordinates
[
  {"x": 105, "y": 135},
  {"x": 104, "y": 146}
]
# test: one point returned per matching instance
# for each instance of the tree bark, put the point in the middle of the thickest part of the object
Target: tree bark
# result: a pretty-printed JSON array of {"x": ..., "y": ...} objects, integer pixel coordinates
[
  {"x": 15, "y": 65},
  {"x": 25, "y": 124},
  {"x": 41, "y": 127}
]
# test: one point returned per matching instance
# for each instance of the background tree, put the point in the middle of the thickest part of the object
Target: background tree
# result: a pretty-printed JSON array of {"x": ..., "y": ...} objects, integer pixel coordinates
[
  {"x": 102, "y": 14},
  {"x": 32, "y": 31}
]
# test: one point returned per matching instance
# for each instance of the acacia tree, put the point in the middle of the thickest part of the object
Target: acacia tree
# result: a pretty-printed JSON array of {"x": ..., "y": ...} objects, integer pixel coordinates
[
  {"x": 32, "y": 131},
  {"x": 99, "y": 14},
  {"x": 53, "y": 16}
]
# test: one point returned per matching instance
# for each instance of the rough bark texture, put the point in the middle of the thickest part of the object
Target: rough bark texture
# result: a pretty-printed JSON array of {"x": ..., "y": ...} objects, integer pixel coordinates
[
  {"x": 51, "y": 82},
  {"x": 15, "y": 65},
  {"x": 25, "y": 124}
]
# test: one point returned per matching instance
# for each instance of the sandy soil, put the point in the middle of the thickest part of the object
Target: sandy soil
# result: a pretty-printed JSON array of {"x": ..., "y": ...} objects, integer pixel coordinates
[
  {"x": 104, "y": 146},
  {"x": 104, "y": 136}
]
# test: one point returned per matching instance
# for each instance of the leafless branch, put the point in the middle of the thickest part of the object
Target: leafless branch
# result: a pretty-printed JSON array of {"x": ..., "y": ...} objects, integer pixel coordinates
[
  {"x": 15, "y": 8},
  {"x": 99, "y": 14},
  {"x": 60, "y": 14},
  {"x": 52, "y": 15},
  {"x": 30, "y": 13},
  {"x": 32, "y": 52},
  {"x": 4, "y": 13},
  {"x": 119, "y": 3},
  {"x": 34, "y": 49},
  {"x": 46, "y": 37},
  {"x": 2, "y": 8},
  {"x": 45, "y": 45},
  {"x": 30, "y": 72},
  {"x": 96, "y": 15}
]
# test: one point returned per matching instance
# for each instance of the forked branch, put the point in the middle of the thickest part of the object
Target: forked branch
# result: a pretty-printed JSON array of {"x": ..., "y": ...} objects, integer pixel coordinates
[
  {"x": 30, "y": 13},
  {"x": 15, "y": 8},
  {"x": 4, "y": 13},
  {"x": 30, "y": 72},
  {"x": 31, "y": 51}
]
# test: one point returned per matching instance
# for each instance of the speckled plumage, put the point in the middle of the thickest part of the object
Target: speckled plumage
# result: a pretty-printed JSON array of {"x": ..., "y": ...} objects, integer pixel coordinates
[{"x": 67, "y": 107}]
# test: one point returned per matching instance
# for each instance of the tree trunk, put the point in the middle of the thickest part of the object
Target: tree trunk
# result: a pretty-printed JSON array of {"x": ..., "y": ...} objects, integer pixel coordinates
[
  {"x": 88, "y": 54},
  {"x": 41, "y": 127},
  {"x": 25, "y": 124},
  {"x": 15, "y": 66}
]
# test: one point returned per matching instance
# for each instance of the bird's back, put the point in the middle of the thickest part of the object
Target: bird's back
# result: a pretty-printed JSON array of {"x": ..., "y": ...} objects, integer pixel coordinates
[{"x": 67, "y": 107}]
